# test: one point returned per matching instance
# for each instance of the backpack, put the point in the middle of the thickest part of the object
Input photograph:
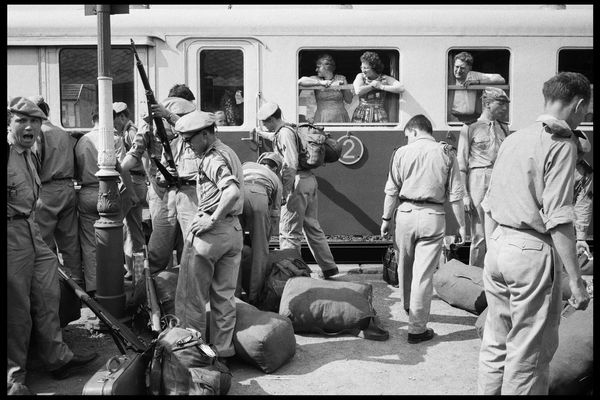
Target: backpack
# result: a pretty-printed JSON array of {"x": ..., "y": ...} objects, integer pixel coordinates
[
  {"x": 315, "y": 146},
  {"x": 281, "y": 271}
]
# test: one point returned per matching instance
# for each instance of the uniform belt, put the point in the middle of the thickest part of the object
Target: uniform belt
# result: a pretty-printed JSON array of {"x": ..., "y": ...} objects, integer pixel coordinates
[
  {"x": 420, "y": 202},
  {"x": 488, "y": 167},
  {"x": 189, "y": 182},
  {"x": 137, "y": 173},
  {"x": 18, "y": 216}
]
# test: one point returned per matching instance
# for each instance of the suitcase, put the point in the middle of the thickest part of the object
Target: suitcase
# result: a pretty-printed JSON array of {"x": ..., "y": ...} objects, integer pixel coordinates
[{"x": 122, "y": 375}]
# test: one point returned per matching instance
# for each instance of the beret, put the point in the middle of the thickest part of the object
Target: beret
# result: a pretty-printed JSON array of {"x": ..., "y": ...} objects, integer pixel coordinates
[
  {"x": 493, "y": 93},
  {"x": 194, "y": 121},
  {"x": 266, "y": 110},
  {"x": 119, "y": 106},
  {"x": 178, "y": 106},
  {"x": 25, "y": 106}
]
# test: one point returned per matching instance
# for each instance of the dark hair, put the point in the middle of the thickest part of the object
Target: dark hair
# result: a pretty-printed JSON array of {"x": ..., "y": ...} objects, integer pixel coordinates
[
  {"x": 467, "y": 58},
  {"x": 419, "y": 122},
  {"x": 276, "y": 114},
  {"x": 182, "y": 91},
  {"x": 270, "y": 163},
  {"x": 327, "y": 57},
  {"x": 44, "y": 107},
  {"x": 564, "y": 86},
  {"x": 373, "y": 60}
]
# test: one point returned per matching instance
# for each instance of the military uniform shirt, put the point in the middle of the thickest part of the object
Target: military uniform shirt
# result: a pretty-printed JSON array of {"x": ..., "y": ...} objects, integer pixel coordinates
[
  {"x": 425, "y": 170},
  {"x": 186, "y": 161},
  {"x": 54, "y": 148},
  {"x": 86, "y": 153},
  {"x": 22, "y": 181},
  {"x": 255, "y": 172},
  {"x": 477, "y": 147},
  {"x": 219, "y": 167},
  {"x": 583, "y": 197},
  {"x": 286, "y": 144},
  {"x": 531, "y": 186}
]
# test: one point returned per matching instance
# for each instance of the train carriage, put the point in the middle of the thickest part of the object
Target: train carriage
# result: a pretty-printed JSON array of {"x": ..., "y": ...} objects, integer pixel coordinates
[{"x": 234, "y": 58}]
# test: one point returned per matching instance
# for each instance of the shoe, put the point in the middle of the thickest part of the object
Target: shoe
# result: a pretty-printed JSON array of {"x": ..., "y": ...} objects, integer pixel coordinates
[
  {"x": 420, "y": 337},
  {"x": 77, "y": 360},
  {"x": 330, "y": 272}
]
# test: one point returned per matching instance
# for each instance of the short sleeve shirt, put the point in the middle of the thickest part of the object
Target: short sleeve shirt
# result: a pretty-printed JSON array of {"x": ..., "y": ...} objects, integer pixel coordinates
[
  {"x": 478, "y": 146},
  {"x": 54, "y": 147},
  {"x": 22, "y": 181},
  {"x": 257, "y": 173}
]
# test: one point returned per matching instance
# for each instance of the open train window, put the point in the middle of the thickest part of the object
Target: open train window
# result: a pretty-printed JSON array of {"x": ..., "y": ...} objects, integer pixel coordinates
[
  {"x": 338, "y": 104},
  {"x": 579, "y": 60},
  {"x": 479, "y": 68},
  {"x": 78, "y": 69},
  {"x": 222, "y": 85}
]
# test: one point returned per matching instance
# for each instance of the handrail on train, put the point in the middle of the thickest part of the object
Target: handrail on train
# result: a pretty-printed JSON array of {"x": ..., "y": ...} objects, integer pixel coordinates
[{"x": 452, "y": 87}]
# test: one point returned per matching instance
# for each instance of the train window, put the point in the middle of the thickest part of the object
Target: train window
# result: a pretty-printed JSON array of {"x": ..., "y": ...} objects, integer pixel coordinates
[
  {"x": 79, "y": 83},
  {"x": 222, "y": 85},
  {"x": 579, "y": 60},
  {"x": 489, "y": 67},
  {"x": 337, "y": 103}
]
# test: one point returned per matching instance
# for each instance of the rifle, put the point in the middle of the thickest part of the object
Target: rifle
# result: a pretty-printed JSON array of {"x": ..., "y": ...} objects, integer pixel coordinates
[
  {"x": 151, "y": 295},
  {"x": 120, "y": 333},
  {"x": 160, "y": 128}
]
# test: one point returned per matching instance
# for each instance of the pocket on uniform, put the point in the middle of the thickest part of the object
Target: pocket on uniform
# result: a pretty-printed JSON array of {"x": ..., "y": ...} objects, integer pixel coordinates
[
  {"x": 481, "y": 142},
  {"x": 526, "y": 244}
]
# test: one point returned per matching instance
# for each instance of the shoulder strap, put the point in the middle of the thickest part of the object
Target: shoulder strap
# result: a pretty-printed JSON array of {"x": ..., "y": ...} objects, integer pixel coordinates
[{"x": 42, "y": 147}]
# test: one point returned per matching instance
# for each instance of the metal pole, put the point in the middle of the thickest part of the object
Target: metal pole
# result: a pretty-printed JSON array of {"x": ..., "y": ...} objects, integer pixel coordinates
[{"x": 110, "y": 290}]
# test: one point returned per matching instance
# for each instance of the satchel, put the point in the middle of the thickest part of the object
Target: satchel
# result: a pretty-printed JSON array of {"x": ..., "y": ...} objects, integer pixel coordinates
[
  {"x": 280, "y": 272},
  {"x": 390, "y": 267}
]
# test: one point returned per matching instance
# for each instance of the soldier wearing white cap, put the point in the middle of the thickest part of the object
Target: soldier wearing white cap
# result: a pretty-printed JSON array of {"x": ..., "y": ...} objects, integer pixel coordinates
[
  {"x": 530, "y": 198},
  {"x": 32, "y": 286},
  {"x": 478, "y": 146},
  {"x": 260, "y": 217},
  {"x": 56, "y": 208},
  {"x": 172, "y": 207},
  {"x": 213, "y": 244},
  {"x": 300, "y": 209}
]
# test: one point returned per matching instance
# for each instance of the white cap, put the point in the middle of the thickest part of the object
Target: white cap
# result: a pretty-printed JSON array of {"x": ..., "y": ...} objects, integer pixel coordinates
[{"x": 266, "y": 110}]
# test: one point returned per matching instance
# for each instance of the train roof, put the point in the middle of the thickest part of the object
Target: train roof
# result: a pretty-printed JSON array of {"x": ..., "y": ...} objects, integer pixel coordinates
[{"x": 34, "y": 25}]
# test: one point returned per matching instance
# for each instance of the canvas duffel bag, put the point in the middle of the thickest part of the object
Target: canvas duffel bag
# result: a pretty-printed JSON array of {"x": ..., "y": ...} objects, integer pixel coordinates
[{"x": 461, "y": 286}]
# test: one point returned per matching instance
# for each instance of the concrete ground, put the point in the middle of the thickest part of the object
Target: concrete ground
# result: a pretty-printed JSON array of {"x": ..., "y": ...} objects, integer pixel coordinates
[{"x": 332, "y": 365}]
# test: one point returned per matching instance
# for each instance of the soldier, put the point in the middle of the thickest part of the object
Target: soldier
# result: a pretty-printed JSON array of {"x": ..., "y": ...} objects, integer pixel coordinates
[
  {"x": 262, "y": 203},
  {"x": 478, "y": 146},
  {"x": 86, "y": 157},
  {"x": 531, "y": 199},
  {"x": 583, "y": 193},
  {"x": 299, "y": 209},
  {"x": 422, "y": 177},
  {"x": 212, "y": 249},
  {"x": 32, "y": 277},
  {"x": 56, "y": 208}
]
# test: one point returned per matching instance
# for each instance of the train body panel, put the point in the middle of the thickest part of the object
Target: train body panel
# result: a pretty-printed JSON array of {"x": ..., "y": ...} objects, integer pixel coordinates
[{"x": 265, "y": 49}]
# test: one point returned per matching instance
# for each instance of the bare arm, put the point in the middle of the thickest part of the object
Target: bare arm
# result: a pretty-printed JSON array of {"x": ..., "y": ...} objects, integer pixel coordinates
[
  {"x": 459, "y": 213},
  {"x": 389, "y": 205},
  {"x": 360, "y": 87}
]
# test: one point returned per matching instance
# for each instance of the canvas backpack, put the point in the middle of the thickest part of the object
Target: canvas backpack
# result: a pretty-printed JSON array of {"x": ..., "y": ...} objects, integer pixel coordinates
[
  {"x": 315, "y": 146},
  {"x": 281, "y": 271}
]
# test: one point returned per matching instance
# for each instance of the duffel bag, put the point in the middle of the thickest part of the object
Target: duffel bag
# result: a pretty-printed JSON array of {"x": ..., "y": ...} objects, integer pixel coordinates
[
  {"x": 165, "y": 283},
  {"x": 331, "y": 307},
  {"x": 461, "y": 286},
  {"x": 262, "y": 338}
]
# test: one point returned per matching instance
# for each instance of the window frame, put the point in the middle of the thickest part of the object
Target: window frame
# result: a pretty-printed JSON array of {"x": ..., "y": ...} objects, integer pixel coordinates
[{"x": 584, "y": 124}]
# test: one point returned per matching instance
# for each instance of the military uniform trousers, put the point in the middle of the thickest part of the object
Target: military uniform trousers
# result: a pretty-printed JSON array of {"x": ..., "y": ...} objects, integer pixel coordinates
[
  {"x": 56, "y": 215},
  {"x": 479, "y": 181},
  {"x": 522, "y": 286},
  {"x": 33, "y": 296},
  {"x": 256, "y": 219},
  {"x": 87, "y": 205},
  {"x": 208, "y": 275},
  {"x": 133, "y": 231},
  {"x": 299, "y": 216},
  {"x": 418, "y": 234}
]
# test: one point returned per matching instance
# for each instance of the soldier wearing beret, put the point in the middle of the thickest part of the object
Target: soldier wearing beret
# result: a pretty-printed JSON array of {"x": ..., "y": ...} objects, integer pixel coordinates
[
  {"x": 423, "y": 176},
  {"x": 32, "y": 278},
  {"x": 262, "y": 204},
  {"x": 213, "y": 244},
  {"x": 56, "y": 209},
  {"x": 530, "y": 200},
  {"x": 478, "y": 146}
]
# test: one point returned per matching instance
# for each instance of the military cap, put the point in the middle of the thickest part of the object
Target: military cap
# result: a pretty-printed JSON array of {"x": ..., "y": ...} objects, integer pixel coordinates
[
  {"x": 493, "y": 93},
  {"x": 37, "y": 100},
  {"x": 276, "y": 158},
  {"x": 22, "y": 105},
  {"x": 119, "y": 106},
  {"x": 194, "y": 122},
  {"x": 266, "y": 110},
  {"x": 178, "y": 106}
]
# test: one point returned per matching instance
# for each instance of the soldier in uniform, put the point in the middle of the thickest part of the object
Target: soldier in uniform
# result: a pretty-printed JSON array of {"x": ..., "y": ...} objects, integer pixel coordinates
[
  {"x": 32, "y": 278},
  {"x": 530, "y": 198},
  {"x": 422, "y": 177},
  {"x": 262, "y": 204},
  {"x": 212, "y": 249},
  {"x": 478, "y": 146},
  {"x": 299, "y": 209},
  {"x": 56, "y": 208},
  {"x": 583, "y": 193}
]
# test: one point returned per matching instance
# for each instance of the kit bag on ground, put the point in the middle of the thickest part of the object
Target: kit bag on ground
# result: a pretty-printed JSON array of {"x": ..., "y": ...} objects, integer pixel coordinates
[
  {"x": 390, "y": 267},
  {"x": 315, "y": 146},
  {"x": 286, "y": 264},
  {"x": 461, "y": 286},
  {"x": 262, "y": 338},
  {"x": 184, "y": 364},
  {"x": 480, "y": 323},
  {"x": 122, "y": 375},
  {"x": 165, "y": 283},
  {"x": 331, "y": 308},
  {"x": 69, "y": 308}
]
